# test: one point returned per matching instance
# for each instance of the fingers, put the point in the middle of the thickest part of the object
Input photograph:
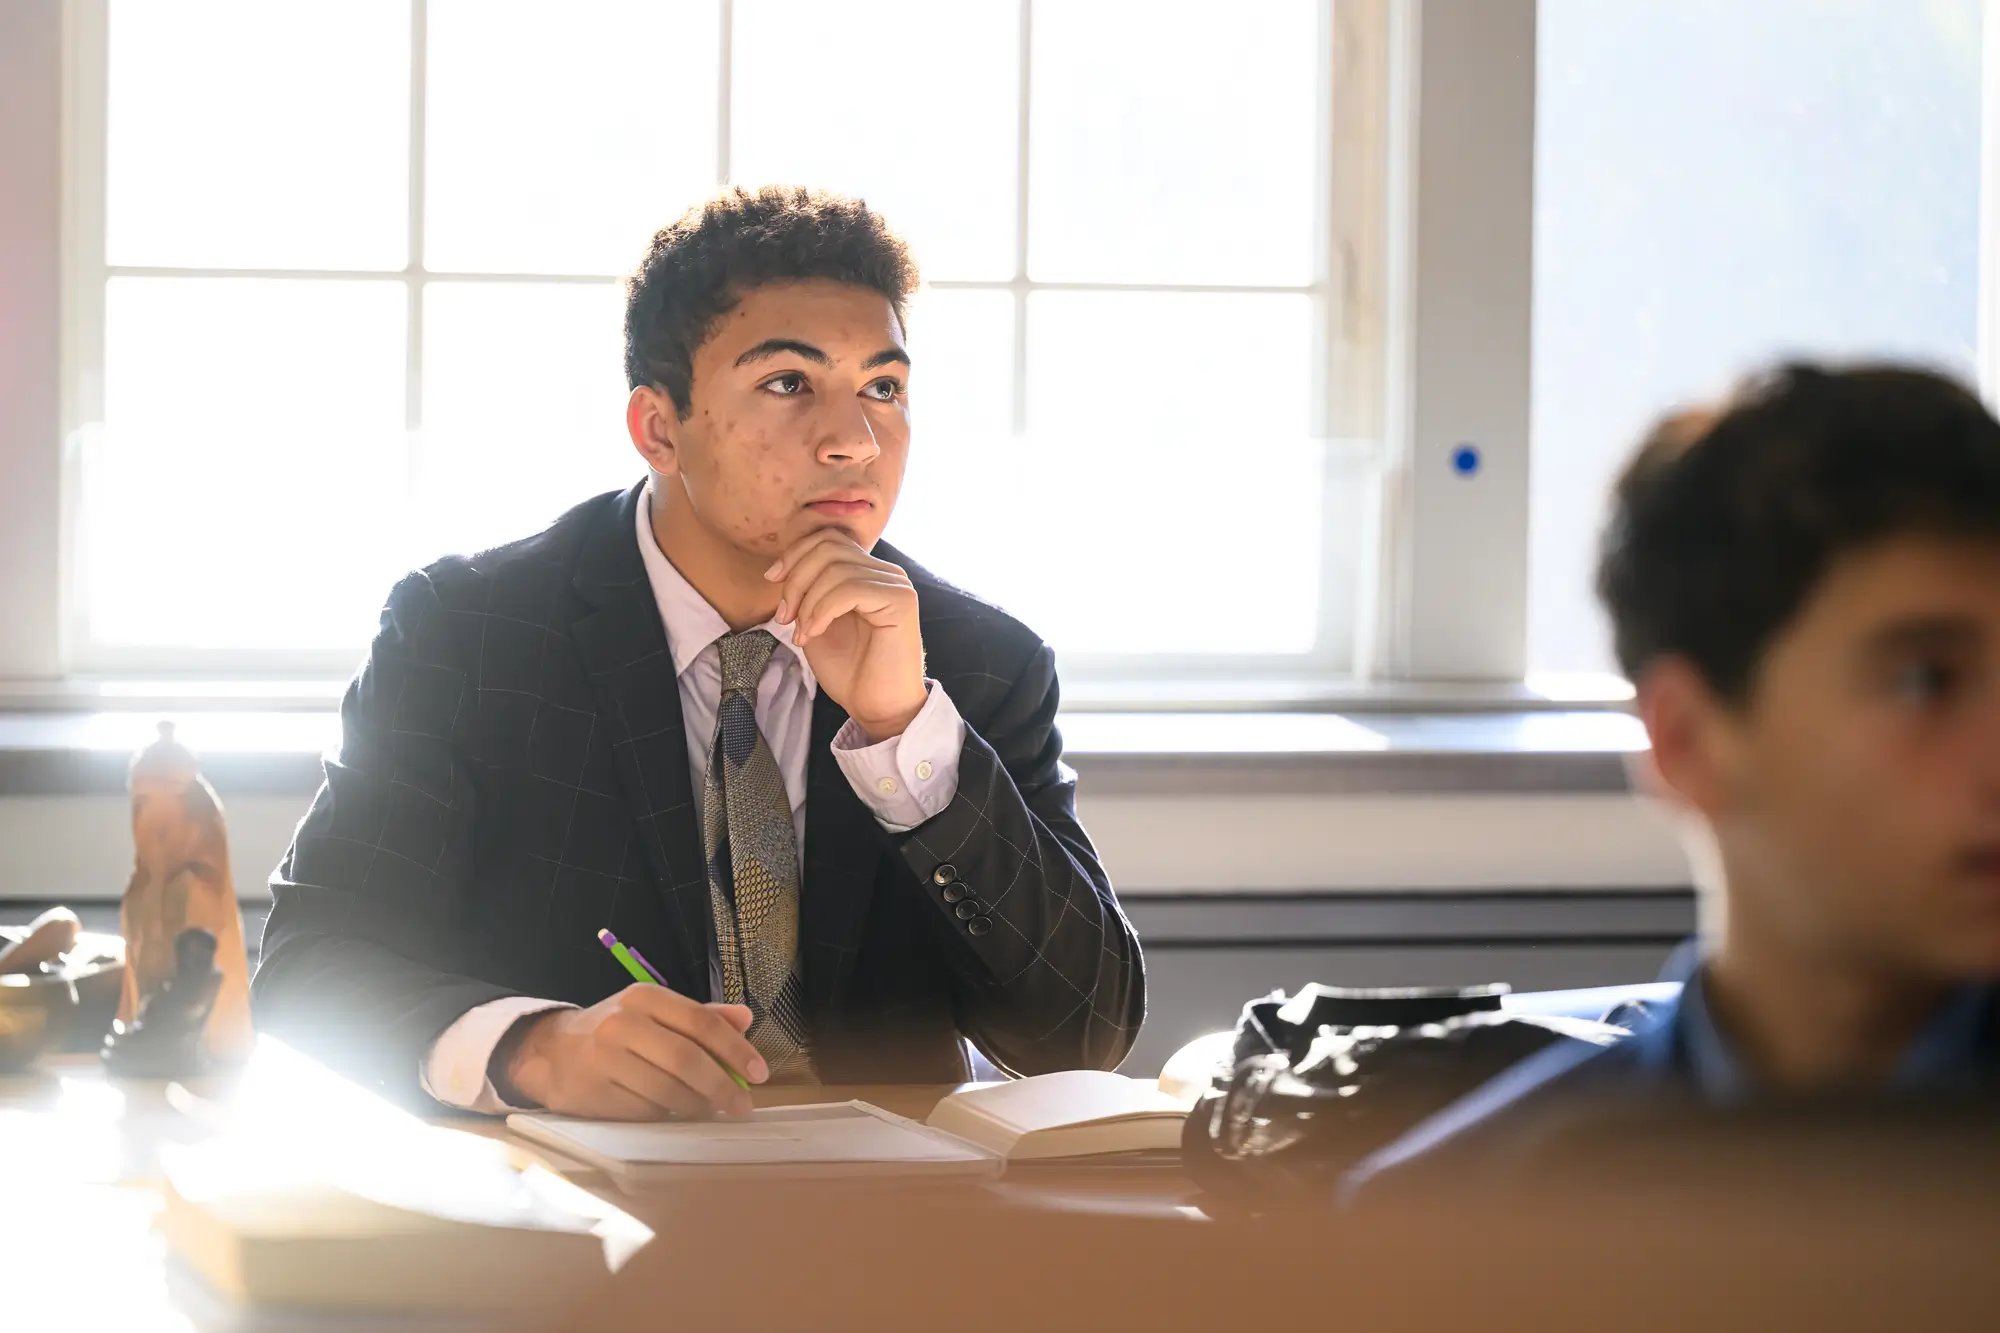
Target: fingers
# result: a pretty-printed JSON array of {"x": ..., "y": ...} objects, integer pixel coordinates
[
  {"x": 690, "y": 1063},
  {"x": 611, "y": 1101},
  {"x": 705, "y": 1026},
  {"x": 691, "y": 1074},
  {"x": 810, "y": 566},
  {"x": 826, "y": 560},
  {"x": 666, "y": 1068},
  {"x": 660, "y": 1089},
  {"x": 644, "y": 1052},
  {"x": 880, "y": 601}
]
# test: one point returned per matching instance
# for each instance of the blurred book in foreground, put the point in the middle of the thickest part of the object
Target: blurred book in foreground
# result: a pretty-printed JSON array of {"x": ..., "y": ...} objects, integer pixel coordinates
[{"x": 314, "y": 1194}]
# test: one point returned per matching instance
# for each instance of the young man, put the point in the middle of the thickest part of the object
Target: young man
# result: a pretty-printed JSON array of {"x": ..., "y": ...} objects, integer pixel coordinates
[
  {"x": 818, "y": 788},
  {"x": 1805, "y": 589}
]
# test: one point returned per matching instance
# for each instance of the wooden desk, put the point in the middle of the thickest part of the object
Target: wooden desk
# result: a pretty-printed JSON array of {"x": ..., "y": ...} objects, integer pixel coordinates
[
  {"x": 1073, "y": 1248},
  {"x": 80, "y": 1187}
]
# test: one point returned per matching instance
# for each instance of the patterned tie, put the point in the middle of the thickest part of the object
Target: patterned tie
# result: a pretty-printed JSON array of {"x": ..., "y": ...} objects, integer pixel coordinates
[{"x": 753, "y": 872}]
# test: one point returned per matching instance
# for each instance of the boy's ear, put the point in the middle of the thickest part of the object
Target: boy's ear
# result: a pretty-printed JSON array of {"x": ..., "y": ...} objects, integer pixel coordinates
[
  {"x": 654, "y": 425},
  {"x": 1687, "y": 724}
]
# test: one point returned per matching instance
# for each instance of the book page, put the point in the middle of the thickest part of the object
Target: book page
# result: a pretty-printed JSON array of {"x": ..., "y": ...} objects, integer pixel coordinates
[
  {"x": 773, "y": 1136},
  {"x": 1073, "y": 1097}
]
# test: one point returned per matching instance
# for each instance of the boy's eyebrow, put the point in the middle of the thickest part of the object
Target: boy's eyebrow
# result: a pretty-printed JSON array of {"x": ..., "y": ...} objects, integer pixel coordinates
[
  {"x": 1940, "y": 630},
  {"x": 779, "y": 346}
]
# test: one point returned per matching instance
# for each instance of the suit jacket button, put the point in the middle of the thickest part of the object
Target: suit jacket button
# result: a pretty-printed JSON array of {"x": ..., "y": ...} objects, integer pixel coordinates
[
  {"x": 944, "y": 874},
  {"x": 978, "y": 926},
  {"x": 955, "y": 891},
  {"x": 967, "y": 910}
]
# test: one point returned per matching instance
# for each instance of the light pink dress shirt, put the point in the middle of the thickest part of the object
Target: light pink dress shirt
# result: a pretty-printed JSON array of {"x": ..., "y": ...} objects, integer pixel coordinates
[{"x": 904, "y": 781}]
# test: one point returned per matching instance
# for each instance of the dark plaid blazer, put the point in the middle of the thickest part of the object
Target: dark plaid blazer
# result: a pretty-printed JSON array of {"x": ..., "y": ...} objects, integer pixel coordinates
[{"x": 513, "y": 775}]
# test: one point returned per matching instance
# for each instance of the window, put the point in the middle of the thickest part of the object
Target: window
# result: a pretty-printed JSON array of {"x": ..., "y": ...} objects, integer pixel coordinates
[
  {"x": 1200, "y": 279},
  {"x": 1718, "y": 184},
  {"x": 340, "y": 314}
]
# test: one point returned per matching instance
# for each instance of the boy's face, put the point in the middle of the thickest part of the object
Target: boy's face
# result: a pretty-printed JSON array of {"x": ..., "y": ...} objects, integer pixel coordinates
[
  {"x": 800, "y": 418},
  {"x": 1856, "y": 796}
]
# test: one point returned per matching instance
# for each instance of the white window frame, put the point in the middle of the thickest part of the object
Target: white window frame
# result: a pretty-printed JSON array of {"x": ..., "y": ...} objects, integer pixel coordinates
[
  {"x": 1418, "y": 294},
  {"x": 1989, "y": 205},
  {"x": 1460, "y": 268}
]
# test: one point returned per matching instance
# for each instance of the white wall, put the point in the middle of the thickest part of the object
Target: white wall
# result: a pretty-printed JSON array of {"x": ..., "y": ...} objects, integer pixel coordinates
[{"x": 80, "y": 847}]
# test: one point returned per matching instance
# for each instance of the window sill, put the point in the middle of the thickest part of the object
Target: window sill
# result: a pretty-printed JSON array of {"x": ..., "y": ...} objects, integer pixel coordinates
[
  {"x": 274, "y": 747},
  {"x": 1561, "y": 692}
]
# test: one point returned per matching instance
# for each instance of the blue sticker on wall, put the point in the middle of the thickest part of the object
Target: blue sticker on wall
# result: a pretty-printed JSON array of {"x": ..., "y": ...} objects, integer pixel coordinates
[{"x": 1465, "y": 460}]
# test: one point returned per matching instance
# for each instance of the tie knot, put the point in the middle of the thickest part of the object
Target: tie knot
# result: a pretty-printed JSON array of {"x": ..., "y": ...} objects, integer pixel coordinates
[{"x": 744, "y": 657}]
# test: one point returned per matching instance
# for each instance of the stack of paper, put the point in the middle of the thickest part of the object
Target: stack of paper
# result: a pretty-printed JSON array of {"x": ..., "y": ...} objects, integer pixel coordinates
[{"x": 795, "y": 1142}]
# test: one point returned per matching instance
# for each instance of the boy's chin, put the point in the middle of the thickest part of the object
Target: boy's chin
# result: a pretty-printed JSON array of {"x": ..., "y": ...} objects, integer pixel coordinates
[
  {"x": 1970, "y": 955},
  {"x": 864, "y": 535},
  {"x": 1982, "y": 967}
]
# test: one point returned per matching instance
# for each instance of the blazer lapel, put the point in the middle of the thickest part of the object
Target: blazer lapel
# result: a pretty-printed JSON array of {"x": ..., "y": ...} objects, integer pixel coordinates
[
  {"x": 624, "y": 650},
  {"x": 843, "y": 852}
]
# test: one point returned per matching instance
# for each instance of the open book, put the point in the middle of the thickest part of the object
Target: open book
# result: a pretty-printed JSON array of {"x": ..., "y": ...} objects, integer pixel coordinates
[
  {"x": 970, "y": 1134},
  {"x": 1076, "y": 1113}
]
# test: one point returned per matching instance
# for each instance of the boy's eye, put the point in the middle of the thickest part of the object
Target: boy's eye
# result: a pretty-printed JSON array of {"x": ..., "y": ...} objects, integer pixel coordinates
[
  {"x": 884, "y": 390},
  {"x": 787, "y": 385},
  {"x": 1924, "y": 682}
]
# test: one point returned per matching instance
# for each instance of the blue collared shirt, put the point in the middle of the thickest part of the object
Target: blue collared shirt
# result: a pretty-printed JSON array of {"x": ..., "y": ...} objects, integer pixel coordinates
[
  {"x": 1678, "y": 1043},
  {"x": 1943, "y": 1052}
]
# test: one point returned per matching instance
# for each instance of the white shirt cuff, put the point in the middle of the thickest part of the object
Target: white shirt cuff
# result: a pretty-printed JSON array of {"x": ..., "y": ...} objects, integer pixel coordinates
[
  {"x": 910, "y": 778},
  {"x": 455, "y": 1070}
]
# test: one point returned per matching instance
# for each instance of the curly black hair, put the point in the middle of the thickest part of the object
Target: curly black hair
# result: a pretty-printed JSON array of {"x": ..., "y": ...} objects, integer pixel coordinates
[
  {"x": 1728, "y": 517},
  {"x": 697, "y": 269}
]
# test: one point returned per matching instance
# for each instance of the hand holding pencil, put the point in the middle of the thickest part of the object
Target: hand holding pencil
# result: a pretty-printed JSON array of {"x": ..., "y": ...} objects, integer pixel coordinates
[
  {"x": 640, "y": 1054},
  {"x": 642, "y": 971}
]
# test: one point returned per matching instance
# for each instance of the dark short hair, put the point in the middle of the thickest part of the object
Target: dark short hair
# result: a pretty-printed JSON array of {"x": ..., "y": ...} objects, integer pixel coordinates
[
  {"x": 1728, "y": 517},
  {"x": 699, "y": 267}
]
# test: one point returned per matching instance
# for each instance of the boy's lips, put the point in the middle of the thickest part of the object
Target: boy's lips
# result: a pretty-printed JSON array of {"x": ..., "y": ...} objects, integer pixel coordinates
[
  {"x": 841, "y": 506},
  {"x": 1981, "y": 863}
]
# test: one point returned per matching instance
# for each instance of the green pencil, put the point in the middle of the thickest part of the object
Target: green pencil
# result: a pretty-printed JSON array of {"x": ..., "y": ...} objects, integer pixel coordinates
[{"x": 642, "y": 970}]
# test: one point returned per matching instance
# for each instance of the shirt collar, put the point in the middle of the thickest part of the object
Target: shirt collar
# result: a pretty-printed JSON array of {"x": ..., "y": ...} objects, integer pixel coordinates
[
  {"x": 692, "y": 624},
  {"x": 1717, "y": 1070},
  {"x": 1943, "y": 1051}
]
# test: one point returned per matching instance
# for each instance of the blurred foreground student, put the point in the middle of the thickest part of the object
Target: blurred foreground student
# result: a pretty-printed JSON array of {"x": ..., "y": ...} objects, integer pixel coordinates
[
  {"x": 1804, "y": 586},
  {"x": 818, "y": 789}
]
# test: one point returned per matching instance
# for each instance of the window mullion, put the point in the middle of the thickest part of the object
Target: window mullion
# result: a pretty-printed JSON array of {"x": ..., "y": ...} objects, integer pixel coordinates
[
  {"x": 87, "y": 111},
  {"x": 1461, "y": 225},
  {"x": 413, "y": 266},
  {"x": 1025, "y": 65},
  {"x": 724, "y": 89},
  {"x": 1988, "y": 338},
  {"x": 1333, "y": 636}
]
